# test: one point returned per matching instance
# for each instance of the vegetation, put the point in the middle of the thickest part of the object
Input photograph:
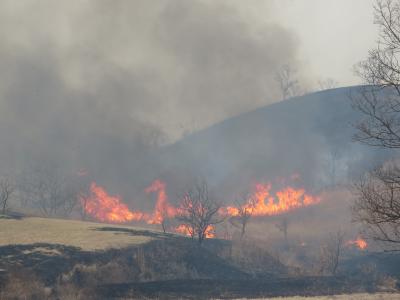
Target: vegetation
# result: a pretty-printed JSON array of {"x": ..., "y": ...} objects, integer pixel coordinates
[
  {"x": 199, "y": 211},
  {"x": 84, "y": 235},
  {"x": 378, "y": 201}
]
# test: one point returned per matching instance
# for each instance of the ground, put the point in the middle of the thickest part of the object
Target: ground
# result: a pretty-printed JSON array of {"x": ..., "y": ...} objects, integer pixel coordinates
[
  {"x": 113, "y": 261},
  {"x": 85, "y": 235},
  {"x": 378, "y": 296}
]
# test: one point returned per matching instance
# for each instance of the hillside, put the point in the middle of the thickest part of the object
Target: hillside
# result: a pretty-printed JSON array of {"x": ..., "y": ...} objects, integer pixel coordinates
[
  {"x": 309, "y": 135},
  {"x": 54, "y": 252},
  {"x": 66, "y": 259},
  {"x": 84, "y": 235}
]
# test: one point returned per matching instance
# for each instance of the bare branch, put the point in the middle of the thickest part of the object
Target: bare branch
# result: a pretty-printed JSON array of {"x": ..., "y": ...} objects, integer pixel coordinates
[
  {"x": 245, "y": 206},
  {"x": 378, "y": 203},
  {"x": 6, "y": 190},
  {"x": 199, "y": 212}
]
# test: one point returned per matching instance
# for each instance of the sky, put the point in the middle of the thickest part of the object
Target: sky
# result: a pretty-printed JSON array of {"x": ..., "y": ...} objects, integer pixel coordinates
[
  {"x": 336, "y": 35},
  {"x": 332, "y": 35}
]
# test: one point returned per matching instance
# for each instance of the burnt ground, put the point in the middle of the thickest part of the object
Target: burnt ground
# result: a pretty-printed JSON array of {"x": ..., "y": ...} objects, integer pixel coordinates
[
  {"x": 227, "y": 289},
  {"x": 166, "y": 257}
]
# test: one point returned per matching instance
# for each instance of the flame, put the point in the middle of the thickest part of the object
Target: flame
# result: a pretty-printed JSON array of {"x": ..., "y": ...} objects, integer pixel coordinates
[
  {"x": 189, "y": 231},
  {"x": 262, "y": 203},
  {"x": 360, "y": 243},
  {"x": 162, "y": 208},
  {"x": 185, "y": 229},
  {"x": 210, "y": 232},
  {"x": 104, "y": 207}
]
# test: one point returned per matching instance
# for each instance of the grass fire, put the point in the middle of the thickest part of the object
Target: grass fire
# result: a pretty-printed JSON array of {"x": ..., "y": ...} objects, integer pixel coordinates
[
  {"x": 261, "y": 203},
  {"x": 199, "y": 149}
]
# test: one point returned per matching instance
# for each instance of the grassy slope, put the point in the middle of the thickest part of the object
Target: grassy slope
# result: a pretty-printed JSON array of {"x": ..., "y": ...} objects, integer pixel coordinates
[
  {"x": 95, "y": 236},
  {"x": 84, "y": 235}
]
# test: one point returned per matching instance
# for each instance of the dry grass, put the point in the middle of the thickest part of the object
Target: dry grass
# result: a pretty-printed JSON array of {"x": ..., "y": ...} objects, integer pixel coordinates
[
  {"x": 66, "y": 232},
  {"x": 379, "y": 296}
]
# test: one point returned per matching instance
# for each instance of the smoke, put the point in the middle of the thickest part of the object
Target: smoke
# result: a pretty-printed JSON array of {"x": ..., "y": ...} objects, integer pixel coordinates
[{"x": 99, "y": 85}]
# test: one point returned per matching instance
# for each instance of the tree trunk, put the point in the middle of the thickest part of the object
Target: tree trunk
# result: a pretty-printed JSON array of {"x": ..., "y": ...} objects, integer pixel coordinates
[{"x": 163, "y": 227}]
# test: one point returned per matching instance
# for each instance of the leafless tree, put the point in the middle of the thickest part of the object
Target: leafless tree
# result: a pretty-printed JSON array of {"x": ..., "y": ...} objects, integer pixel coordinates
[
  {"x": 6, "y": 190},
  {"x": 245, "y": 207},
  {"x": 283, "y": 226},
  {"x": 332, "y": 162},
  {"x": 379, "y": 101},
  {"x": 52, "y": 193},
  {"x": 378, "y": 205},
  {"x": 83, "y": 201},
  {"x": 68, "y": 198},
  {"x": 199, "y": 211},
  {"x": 288, "y": 83},
  {"x": 226, "y": 230},
  {"x": 327, "y": 84},
  {"x": 164, "y": 218},
  {"x": 331, "y": 253},
  {"x": 83, "y": 188}
]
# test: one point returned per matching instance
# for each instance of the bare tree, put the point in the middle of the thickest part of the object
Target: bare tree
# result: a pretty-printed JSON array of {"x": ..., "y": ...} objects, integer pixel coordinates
[
  {"x": 226, "y": 230},
  {"x": 326, "y": 84},
  {"x": 378, "y": 204},
  {"x": 52, "y": 193},
  {"x": 198, "y": 211},
  {"x": 331, "y": 253},
  {"x": 164, "y": 218},
  {"x": 381, "y": 71},
  {"x": 283, "y": 226},
  {"x": 288, "y": 83},
  {"x": 6, "y": 190},
  {"x": 245, "y": 207},
  {"x": 332, "y": 165},
  {"x": 83, "y": 200},
  {"x": 82, "y": 187},
  {"x": 68, "y": 198}
]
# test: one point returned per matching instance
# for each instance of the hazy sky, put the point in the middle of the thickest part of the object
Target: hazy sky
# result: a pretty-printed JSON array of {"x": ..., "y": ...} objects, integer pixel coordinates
[{"x": 333, "y": 34}]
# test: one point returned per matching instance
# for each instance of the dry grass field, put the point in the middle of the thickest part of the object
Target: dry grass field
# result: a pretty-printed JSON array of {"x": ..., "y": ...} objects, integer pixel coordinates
[
  {"x": 85, "y": 235},
  {"x": 114, "y": 270}
]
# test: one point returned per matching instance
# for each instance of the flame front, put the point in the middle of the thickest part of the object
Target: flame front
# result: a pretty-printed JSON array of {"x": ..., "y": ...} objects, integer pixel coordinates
[
  {"x": 104, "y": 207},
  {"x": 262, "y": 203},
  {"x": 162, "y": 208},
  {"x": 360, "y": 243}
]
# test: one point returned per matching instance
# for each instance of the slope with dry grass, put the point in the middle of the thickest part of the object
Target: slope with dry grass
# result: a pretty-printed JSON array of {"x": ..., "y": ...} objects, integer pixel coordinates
[{"x": 84, "y": 235}]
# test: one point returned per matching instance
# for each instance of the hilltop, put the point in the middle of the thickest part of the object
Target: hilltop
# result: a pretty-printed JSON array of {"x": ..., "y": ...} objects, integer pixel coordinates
[{"x": 310, "y": 135}]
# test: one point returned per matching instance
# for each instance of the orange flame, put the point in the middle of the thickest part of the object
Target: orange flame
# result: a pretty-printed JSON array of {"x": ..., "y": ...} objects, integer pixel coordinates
[
  {"x": 107, "y": 208},
  {"x": 189, "y": 231},
  {"x": 262, "y": 203},
  {"x": 359, "y": 243},
  {"x": 185, "y": 229},
  {"x": 162, "y": 209}
]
